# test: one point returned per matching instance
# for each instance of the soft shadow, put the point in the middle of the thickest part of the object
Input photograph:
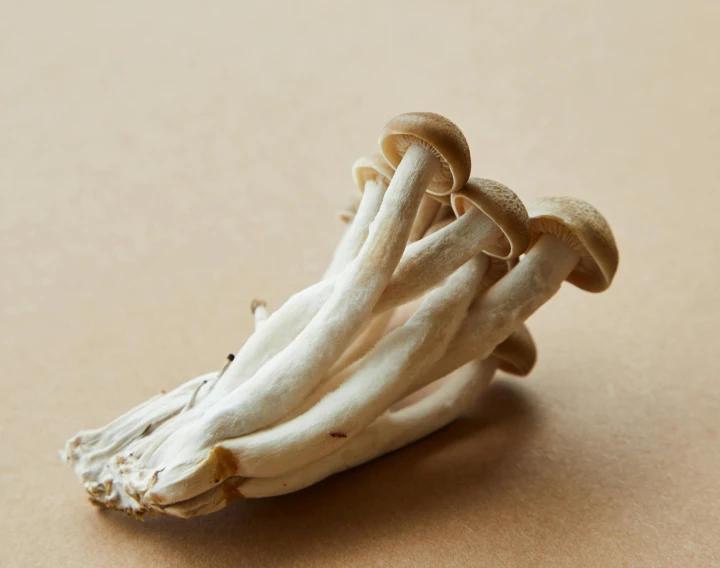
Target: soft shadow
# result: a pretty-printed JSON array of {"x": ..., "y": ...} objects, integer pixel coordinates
[{"x": 454, "y": 467}]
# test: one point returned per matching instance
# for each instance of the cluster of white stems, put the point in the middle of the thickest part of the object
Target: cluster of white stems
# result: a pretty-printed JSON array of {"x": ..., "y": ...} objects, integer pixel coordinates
[{"x": 425, "y": 298}]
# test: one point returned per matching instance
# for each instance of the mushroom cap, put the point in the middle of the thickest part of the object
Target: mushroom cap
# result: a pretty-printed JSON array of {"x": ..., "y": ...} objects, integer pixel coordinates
[
  {"x": 503, "y": 207},
  {"x": 582, "y": 227},
  {"x": 517, "y": 355},
  {"x": 439, "y": 135},
  {"x": 371, "y": 168}
]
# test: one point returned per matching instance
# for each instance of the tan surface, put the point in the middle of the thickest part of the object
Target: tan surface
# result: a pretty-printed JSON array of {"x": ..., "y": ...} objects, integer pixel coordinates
[{"x": 162, "y": 164}]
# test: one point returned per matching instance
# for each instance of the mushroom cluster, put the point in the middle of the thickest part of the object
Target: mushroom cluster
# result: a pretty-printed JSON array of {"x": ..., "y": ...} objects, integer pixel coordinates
[{"x": 425, "y": 298}]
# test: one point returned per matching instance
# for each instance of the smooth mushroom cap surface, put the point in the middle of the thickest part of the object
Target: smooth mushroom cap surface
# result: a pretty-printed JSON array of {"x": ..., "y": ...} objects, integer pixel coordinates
[
  {"x": 582, "y": 227},
  {"x": 503, "y": 207},
  {"x": 517, "y": 355},
  {"x": 371, "y": 168},
  {"x": 437, "y": 134}
]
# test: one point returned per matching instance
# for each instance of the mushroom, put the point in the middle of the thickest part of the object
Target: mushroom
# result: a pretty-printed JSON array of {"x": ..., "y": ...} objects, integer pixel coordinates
[
  {"x": 372, "y": 175},
  {"x": 570, "y": 240},
  {"x": 413, "y": 419},
  {"x": 340, "y": 415},
  {"x": 427, "y": 149},
  {"x": 429, "y": 152},
  {"x": 325, "y": 382},
  {"x": 497, "y": 268},
  {"x": 492, "y": 219}
]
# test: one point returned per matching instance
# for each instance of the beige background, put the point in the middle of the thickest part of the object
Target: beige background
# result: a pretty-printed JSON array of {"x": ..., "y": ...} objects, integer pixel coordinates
[{"x": 162, "y": 163}]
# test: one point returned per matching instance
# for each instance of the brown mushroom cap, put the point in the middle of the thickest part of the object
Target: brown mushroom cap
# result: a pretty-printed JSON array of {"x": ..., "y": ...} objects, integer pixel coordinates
[
  {"x": 371, "y": 168},
  {"x": 439, "y": 135},
  {"x": 503, "y": 207},
  {"x": 583, "y": 228},
  {"x": 517, "y": 354}
]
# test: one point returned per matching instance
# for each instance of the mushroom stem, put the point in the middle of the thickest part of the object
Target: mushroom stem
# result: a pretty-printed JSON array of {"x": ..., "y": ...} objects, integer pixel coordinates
[
  {"x": 193, "y": 396},
  {"x": 391, "y": 431},
  {"x": 260, "y": 313},
  {"x": 397, "y": 357},
  {"x": 286, "y": 379},
  {"x": 428, "y": 262},
  {"x": 276, "y": 333},
  {"x": 507, "y": 304},
  {"x": 88, "y": 451},
  {"x": 335, "y": 419},
  {"x": 292, "y": 317},
  {"x": 426, "y": 214},
  {"x": 364, "y": 342},
  {"x": 353, "y": 239},
  {"x": 387, "y": 322},
  {"x": 438, "y": 225}
]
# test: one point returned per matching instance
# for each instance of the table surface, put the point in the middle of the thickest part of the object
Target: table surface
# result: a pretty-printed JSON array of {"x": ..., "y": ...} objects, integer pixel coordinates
[{"x": 163, "y": 163}]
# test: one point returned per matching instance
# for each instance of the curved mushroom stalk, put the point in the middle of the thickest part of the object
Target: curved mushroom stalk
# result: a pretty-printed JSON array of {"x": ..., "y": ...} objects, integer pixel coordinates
[
  {"x": 372, "y": 175},
  {"x": 272, "y": 381},
  {"x": 331, "y": 422},
  {"x": 426, "y": 214},
  {"x": 413, "y": 418},
  {"x": 571, "y": 241},
  {"x": 325, "y": 382},
  {"x": 492, "y": 219},
  {"x": 391, "y": 431}
]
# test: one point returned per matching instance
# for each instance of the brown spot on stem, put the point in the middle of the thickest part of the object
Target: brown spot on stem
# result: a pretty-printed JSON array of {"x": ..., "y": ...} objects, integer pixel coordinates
[
  {"x": 338, "y": 435},
  {"x": 226, "y": 464}
]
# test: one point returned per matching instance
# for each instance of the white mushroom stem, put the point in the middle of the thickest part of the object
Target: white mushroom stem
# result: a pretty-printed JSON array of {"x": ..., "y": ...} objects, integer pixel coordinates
[
  {"x": 438, "y": 225},
  {"x": 392, "y": 430},
  {"x": 260, "y": 313},
  {"x": 364, "y": 342},
  {"x": 294, "y": 315},
  {"x": 356, "y": 234},
  {"x": 89, "y": 449},
  {"x": 429, "y": 208},
  {"x": 342, "y": 370},
  {"x": 375, "y": 383},
  {"x": 276, "y": 333},
  {"x": 429, "y": 261},
  {"x": 286, "y": 379},
  {"x": 424, "y": 264},
  {"x": 507, "y": 304},
  {"x": 379, "y": 380}
]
